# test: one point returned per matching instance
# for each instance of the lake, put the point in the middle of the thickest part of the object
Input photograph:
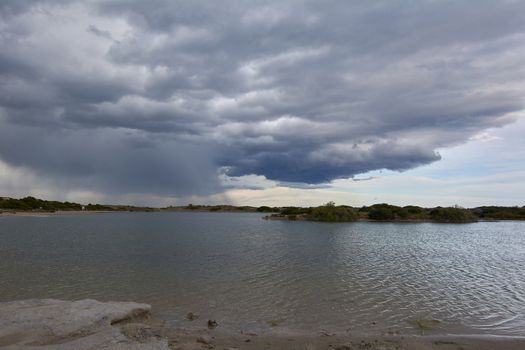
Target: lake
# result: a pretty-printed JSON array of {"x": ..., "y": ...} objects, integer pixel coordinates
[{"x": 361, "y": 278}]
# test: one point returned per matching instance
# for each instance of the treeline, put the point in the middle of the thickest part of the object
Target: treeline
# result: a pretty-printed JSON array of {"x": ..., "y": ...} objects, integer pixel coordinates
[
  {"x": 35, "y": 204},
  {"x": 500, "y": 213},
  {"x": 325, "y": 213},
  {"x": 387, "y": 212},
  {"x": 223, "y": 208}
]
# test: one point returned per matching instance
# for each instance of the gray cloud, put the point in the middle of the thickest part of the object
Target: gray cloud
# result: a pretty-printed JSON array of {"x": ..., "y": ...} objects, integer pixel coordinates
[
  {"x": 112, "y": 161},
  {"x": 99, "y": 32},
  {"x": 300, "y": 92}
]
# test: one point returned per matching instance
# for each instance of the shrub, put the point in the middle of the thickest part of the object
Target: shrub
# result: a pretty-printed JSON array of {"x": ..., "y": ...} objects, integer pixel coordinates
[
  {"x": 381, "y": 213},
  {"x": 329, "y": 213},
  {"x": 452, "y": 215}
]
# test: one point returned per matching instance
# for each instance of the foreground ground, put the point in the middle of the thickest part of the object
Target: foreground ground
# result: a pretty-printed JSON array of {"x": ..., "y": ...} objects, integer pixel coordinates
[{"x": 89, "y": 324}]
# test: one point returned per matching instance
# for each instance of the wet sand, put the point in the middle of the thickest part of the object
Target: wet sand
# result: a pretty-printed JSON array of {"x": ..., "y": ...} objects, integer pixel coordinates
[
  {"x": 215, "y": 339},
  {"x": 89, "y": 324}
]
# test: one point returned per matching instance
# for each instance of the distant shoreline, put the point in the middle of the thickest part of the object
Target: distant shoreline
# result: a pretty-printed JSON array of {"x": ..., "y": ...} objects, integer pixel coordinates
[
  {"x": 90, "y": 212},
  {"x": 401, "y": 221},
  {"x": 329, "y": 212},
  {"x": 274, "y": 217}
]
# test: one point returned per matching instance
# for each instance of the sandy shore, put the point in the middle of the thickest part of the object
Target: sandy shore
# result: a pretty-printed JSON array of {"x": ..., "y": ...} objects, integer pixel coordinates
[
  {"x": 186, "y": 340},
  {"x": 90, "y": 324}
]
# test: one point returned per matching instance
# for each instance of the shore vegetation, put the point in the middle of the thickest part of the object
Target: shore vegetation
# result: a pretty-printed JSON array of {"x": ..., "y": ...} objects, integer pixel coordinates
[
  {"x": 329, "y": 212},
  {"x": 383, "y": 212}
]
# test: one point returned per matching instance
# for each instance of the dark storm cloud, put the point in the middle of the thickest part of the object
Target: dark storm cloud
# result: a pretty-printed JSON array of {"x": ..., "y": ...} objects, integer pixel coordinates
[
  {"x": 303, "y": 92},
  {"x": 112, "y": 162}
]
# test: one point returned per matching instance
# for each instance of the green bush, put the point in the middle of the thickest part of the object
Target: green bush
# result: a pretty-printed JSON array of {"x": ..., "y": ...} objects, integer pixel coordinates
[
  {"x": 98, "y": 207},
  {"x": 500, "y": 213},
  {"x": 452, "y": 215},
  {"x": 413, "y": 210},
  {"x": 331, "y": 213},
  {"x": 381, "y": 213},
  {"x": 294, "y": 211},
  {"x": 266, "y": 209}
]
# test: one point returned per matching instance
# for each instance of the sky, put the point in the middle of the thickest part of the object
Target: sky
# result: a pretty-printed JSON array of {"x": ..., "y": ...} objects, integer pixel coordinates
[{"x": 263, "y": 102}]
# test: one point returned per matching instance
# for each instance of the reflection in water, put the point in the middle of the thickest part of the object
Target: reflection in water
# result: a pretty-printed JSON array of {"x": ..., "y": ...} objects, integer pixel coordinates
[{"x": 244, "y": 271}]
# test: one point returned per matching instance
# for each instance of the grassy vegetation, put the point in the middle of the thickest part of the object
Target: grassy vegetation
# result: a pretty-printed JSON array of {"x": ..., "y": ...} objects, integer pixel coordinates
[
  {"x": 277, "y": 322},
  {"x": 425, "y": 325}
]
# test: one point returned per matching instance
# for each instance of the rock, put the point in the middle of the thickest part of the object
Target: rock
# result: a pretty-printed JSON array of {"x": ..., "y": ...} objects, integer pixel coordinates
[
  {"x": 61, "y": 325},
  {"x": 326, "y": 334},
  {"x": 212, "y": 324},
  {"x": 204, "y": 339},
  {"x": 191, "y": 316}
]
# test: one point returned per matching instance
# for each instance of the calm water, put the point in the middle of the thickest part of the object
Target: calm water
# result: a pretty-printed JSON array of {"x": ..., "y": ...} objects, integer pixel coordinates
[{"x": 244, "y": 271}]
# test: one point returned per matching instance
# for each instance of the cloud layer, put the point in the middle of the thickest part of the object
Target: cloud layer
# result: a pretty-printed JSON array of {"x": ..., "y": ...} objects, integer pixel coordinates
[{"x": 163, "y": 96}]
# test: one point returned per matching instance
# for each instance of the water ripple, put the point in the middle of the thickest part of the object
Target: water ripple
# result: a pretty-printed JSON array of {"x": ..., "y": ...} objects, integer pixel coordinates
[{"x": 246, "y": 271}]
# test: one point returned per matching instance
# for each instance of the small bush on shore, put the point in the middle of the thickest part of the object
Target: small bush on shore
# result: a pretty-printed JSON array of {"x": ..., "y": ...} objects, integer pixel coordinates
[
  {"x": 332, "y": 213},
  {"x": 381, "y": 213},
  {"x": 452, "y": 215}
]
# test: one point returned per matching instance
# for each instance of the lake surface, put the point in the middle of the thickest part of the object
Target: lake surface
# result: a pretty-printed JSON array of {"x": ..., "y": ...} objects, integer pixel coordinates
[{"x": 244, "y": 271}]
